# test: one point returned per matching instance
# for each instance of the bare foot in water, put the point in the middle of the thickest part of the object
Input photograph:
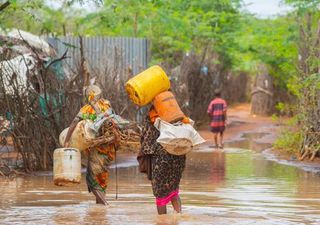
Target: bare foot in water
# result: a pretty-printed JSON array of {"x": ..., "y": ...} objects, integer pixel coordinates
[{"x": 221, "y": 148}]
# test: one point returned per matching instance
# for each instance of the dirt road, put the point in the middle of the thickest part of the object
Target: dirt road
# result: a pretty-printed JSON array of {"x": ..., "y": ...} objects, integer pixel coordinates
[{"x": 257, "y": 133}]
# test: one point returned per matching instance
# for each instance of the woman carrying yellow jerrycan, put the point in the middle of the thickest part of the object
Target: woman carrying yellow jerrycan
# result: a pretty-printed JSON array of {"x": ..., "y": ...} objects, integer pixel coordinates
[
  {"x": 99, "y": 157},
  {"x": 164, "y": 170}
]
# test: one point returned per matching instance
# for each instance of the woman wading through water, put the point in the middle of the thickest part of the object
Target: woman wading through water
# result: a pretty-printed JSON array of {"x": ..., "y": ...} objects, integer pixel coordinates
[
  {"x": 100, "y": 157},
  {"x": 165, "y": 170}
]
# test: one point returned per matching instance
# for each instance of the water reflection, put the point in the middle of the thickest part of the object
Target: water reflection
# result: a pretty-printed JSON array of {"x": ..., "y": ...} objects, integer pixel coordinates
[
  {"x": 232, "y": 187},
  {"x": 249, "y": 141}
]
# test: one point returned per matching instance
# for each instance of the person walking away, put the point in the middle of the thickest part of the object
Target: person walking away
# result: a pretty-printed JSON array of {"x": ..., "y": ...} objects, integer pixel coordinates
[
  {"x": 100, "y": 157},
  {"x": 166, "y": 169},
  {"x": 217, "y": 111}
]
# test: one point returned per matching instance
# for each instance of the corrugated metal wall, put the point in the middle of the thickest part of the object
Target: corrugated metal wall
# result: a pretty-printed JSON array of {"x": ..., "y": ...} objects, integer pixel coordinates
[{"x": 102, "y": 52}]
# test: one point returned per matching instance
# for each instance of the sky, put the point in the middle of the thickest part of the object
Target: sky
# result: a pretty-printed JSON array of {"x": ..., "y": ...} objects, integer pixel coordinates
[
  {"x": 266, "y": 8},
  {"x": 261, "y": 8}
]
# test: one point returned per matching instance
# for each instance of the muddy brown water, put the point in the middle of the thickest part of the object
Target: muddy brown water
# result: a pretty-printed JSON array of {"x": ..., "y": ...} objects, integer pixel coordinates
[{"x": 237, "y": 186}]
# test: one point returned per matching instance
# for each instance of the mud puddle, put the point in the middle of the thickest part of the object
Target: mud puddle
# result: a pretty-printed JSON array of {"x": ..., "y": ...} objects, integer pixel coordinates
[{"x": 249, "y": 141}]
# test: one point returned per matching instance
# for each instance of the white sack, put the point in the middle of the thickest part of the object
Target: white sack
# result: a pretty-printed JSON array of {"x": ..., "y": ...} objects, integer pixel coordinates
[
  {"x": 33, "y": 40},
  {"x": 14, "y": 72},
  {"x": 170, "y": 132}
]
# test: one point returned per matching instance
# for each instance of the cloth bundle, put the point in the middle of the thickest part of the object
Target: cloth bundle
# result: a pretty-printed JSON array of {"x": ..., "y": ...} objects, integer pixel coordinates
[{"x": 178, "y": 138}]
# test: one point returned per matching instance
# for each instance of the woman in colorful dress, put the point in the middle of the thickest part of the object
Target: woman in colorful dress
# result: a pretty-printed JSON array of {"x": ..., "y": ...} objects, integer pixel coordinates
[
  {"x": 166, "y": 169},
  {"x": 100, "y": 157}
]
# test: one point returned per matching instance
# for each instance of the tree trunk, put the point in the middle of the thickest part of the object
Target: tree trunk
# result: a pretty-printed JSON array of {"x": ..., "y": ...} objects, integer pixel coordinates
[{"x": 262, "y": 94}]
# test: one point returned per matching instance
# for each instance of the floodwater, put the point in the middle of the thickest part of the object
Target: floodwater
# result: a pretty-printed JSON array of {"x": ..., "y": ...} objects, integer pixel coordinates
[{"x": 237, "y": 186}]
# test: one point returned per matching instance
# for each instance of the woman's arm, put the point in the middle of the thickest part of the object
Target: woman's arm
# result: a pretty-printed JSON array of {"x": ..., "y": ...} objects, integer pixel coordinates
[
  {"x": 210, "y": 110},
  {"x": 225, "y": 111},
  {"x": 72, "y": 126}
]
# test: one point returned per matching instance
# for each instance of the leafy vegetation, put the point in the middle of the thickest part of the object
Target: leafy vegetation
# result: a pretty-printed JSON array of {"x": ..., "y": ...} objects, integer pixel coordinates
[{"x": 290, "y": 138}]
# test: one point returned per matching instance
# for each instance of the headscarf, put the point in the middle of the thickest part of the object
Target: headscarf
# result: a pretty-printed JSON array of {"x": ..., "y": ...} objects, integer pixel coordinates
[{"x": 93, "y": 93}]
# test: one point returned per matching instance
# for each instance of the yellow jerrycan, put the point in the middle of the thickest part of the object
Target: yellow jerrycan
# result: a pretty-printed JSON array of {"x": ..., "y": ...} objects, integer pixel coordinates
[{"x": 143, "y": 87}]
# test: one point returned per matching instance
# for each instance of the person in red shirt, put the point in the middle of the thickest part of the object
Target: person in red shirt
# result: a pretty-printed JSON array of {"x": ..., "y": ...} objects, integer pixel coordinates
[{"x": 217, "y": 110}]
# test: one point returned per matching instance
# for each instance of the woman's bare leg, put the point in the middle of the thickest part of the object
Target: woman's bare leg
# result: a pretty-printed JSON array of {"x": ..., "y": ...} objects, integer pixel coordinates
[
  {"x": 162, "y": 209},
  {"x": 100, "y": 197},
  {"x": 221, "y": 139},
  {"x": 215, "y": 138},
  {"x": 176, "y": 203}
]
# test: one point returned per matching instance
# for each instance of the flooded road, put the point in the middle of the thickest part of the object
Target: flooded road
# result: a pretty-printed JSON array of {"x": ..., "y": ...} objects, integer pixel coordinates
[{"x": 237, "y": 186}]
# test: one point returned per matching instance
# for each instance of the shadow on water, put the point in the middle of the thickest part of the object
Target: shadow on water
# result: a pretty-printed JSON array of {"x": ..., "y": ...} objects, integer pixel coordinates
[{"x": 237, "y": 186}]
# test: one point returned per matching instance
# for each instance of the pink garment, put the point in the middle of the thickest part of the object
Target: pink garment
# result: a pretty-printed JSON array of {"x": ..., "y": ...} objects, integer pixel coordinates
[
  {"x": 216, "y": 110},
  {"x": 217, "y": 106},
  {"x": 165, "y": 200}
]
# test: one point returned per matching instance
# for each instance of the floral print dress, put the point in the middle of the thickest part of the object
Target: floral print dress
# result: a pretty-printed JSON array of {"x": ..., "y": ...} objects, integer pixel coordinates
[{"x": 100, "y": 157}]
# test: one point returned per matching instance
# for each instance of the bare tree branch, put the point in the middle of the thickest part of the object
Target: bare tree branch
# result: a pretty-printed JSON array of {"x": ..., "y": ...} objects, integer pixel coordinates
[{"x": 4, "y": 5}]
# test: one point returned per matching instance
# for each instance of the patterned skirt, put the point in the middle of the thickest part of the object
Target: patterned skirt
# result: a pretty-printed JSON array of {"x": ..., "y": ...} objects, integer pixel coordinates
[
  {"x": 99, "y": 160},
  {"x": 166, "y": 169}
]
